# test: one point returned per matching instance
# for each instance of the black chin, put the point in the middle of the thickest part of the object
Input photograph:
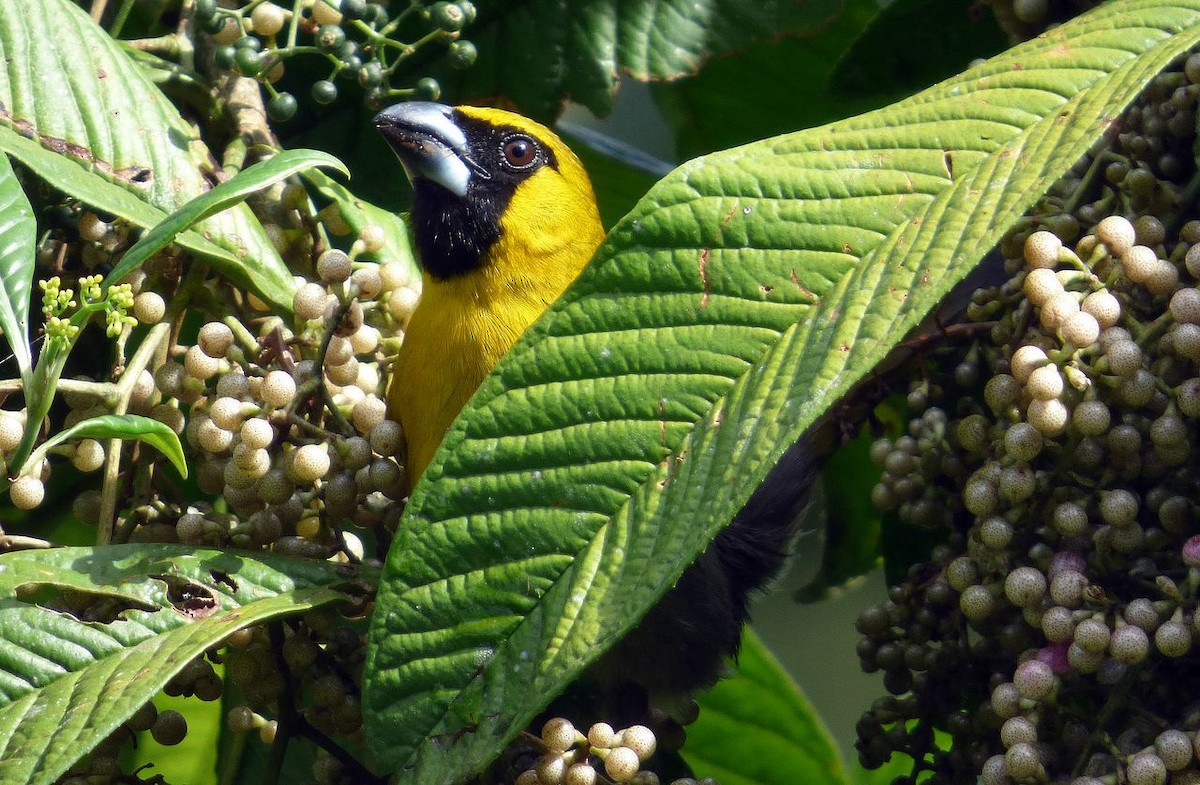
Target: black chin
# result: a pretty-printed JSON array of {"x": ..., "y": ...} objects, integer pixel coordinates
[{"x": 452, "y": 233}]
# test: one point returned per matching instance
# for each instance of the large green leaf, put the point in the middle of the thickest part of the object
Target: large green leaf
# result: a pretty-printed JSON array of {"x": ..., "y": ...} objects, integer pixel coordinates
[
  {"x": 788, "y": 82},
  {"x": 69, "y": 91},
  {"x": 66, "y": 683},
  {"x": 538, "y": 52},
  {"x": 17, "y": 232},
  {"x": 748, "y": 292},
  {"x": 758, "y": 728}
]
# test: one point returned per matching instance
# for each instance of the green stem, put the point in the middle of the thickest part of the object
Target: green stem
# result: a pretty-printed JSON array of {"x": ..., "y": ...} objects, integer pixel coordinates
[{"x": 121, "y": 18}]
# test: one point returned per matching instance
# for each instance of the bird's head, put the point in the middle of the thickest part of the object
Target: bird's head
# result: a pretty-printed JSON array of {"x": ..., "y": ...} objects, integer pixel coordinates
[{"x": 485, "y": 179}]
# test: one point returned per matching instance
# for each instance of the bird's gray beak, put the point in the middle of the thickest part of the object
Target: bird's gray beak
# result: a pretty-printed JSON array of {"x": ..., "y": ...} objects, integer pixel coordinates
[{"x": 430, "y": 144}]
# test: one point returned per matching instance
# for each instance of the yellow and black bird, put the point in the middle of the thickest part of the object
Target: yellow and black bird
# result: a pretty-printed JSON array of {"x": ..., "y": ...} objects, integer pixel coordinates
[{"x": 504, "y": 218}]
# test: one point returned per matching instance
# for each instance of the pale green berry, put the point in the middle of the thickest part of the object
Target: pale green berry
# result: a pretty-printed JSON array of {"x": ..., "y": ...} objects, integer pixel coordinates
[
  {"x": 278, "y": 388},
  {"x": 1025, "y": 587},
  {"x": 1067, "y": 588},
  {"x": 1057, "y": 309},
  {"x": 1128, "y": 645},
  {"x": 1091, "y": 418},
  {"x": 1070, "y": 519},
  {"x": 976, "y": 603},
  {"x": 1080, "y": 329},
  {"x": 1103, "y": 307},
  {"x": 1175, "y": 749},
  {"x": 1041, "y": 250},
  {"x": 621, "y": 764},
  {"x": 1018, "y": 730},
  {"x": 1021, "y": 761},
  {"x": 215, "y": 339},
  {"x": 1025, "y": 360},
  {"x": 309, "y": 301},
  {"x": 310, "y": 462},
  {"x": 1093, "y": 635},
  {"x": 1049, "y": 417},
  {"x": 1045, "y": 383},
  {"x": 27, "y": 492},
  {"x": 1139, "y": 263},
  {"x": 1040, "y": 285},
  {"x": 1118, "y": 507},
  {"x": 1163, "y": 278},
  {"x": 1117, "y": 234},
  {"x": 1146, "y": 769},
  {"x": 1185, "y": 305},
  {"x": 558, "y": 734},
  {"x": 640, "y": 739}
]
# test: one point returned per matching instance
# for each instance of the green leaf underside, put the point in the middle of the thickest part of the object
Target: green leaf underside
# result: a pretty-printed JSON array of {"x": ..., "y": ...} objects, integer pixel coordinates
[
  {"x": 359, "y": 213},
  {"x": 537, "y": 53},
  {"x": 748, "y": 292},
  {"x": 226, "y": 195},
  {"x": 127, "y": 426},
  {"x": 17, "y": 233},
  {"x": 758, "y": 728},
  {"x": 65, "y": 684},
  {"x": 77, "y": 96}
]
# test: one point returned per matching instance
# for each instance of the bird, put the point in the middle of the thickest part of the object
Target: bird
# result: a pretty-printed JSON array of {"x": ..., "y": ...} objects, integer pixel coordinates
[{"x": 503, "y": 218}]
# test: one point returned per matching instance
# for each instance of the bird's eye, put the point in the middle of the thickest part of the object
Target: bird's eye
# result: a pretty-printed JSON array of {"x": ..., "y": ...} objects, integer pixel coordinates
[{"x": 520, "y": 152}]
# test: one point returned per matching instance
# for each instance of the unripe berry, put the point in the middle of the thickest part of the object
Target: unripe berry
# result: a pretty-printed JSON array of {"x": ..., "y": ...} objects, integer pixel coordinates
[
  {"x": 1021, "y": 761},
  {"x": 976, "y": 603},
  {"x": 1018, "y": 730},
  {"x": 1041, "y": 285},
  {"x": 1118, "y": 507},
  {"x": 580, "y": 774},
  {"x": 169, "y": 728},
  {"x": 1001, "y": 392},
  {"x": 149, "y": 308},
  {"x": 1185, "y": 306},
  {"x": 558, "y": 734},
  {"x": 1163, "y": 278},
  {"x": 1140, "y": 263},
  {"x": 309, "y": 301},
  {"x": 1025, "y": 360},
  {"x": 1174, "y": 748},
  {"x": 602, "y": 735},
  {"x": 27, "y": 492},
  {"x": 1128, "y": 645},
  {"x": 1091, "y": 418},
  {"x": 1034, "y": 679},
  {"x": 215, "y": 339},
  {"x": 1049, "y": 417},
  {"x": 1103, "y": 306},
  {"x": 310, "y": 462},
  {"x": 200, "y": 365},
  {"x": 1045, "y": 383},
  {"x": 1080, "y": 329},
  {"x": 640, "y": 739},
  {"x": 1057, "y": 309},
  {"x": 621, "y": 764},
  {"x": 1093, "y": 635},
  {"x": 1117, "y": 234},
  {"x": 1173, "y": 639},
  {"x": 1067, "y": 587},
  {"x": 278, "y": 388},
  {"x": 333, "y": 266},
  {"x": 1041, "y": 250},
  {"x": 1146, "y": 769},
  {"x": 1025, "y": 587}
]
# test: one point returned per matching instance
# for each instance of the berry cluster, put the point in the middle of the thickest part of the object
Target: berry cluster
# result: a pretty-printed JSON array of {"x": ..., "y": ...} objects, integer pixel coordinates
[
  {"x": 1046, "y": 639},
  {"x": 572, "y": 758},
  {"x": 358, "y": 39}
]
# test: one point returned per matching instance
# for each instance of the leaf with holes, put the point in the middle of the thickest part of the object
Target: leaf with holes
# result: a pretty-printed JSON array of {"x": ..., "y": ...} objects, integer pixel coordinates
[
  {"x": 67, "y": 683},
  {"x": 747, "y": 293},
  {"x": 78, "y": 111}
]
